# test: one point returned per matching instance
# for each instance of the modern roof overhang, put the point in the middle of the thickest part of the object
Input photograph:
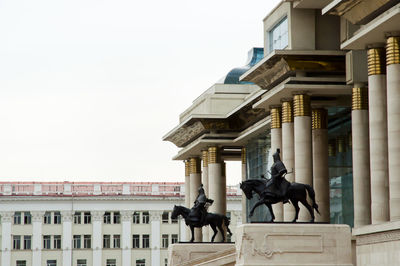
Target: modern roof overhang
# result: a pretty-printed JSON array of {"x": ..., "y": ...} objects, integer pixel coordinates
[
  {"x": 358, "y": 11},
  {"x": 230, "y": 143},
  {"x": 313, "y": 4},
  {"x": 374, "y": 32},
  {"x": 281, "y": 64},
  {"x": 323, "y": 91},
  {"x": 194, "y": 126}
]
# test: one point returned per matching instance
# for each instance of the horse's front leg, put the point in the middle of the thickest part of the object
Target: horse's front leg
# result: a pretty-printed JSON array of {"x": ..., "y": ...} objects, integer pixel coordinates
[
  {"x": 260, "y": 202},
  {"x": 270, "y": 211},
  {"x": 192, "y": 230}
]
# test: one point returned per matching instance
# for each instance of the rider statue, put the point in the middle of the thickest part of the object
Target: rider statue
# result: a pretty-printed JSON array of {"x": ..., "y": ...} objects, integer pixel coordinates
[
  {"x": 278, "y": 185},
  {"x": 199, "y": 209}
]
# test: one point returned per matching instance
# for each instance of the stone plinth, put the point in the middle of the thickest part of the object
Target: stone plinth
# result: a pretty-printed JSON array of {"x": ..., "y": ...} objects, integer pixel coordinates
[
  {"x": 196, "y": 253},
  {"x": 378, "y": 244},
  {"x": 293, "y": 244}
]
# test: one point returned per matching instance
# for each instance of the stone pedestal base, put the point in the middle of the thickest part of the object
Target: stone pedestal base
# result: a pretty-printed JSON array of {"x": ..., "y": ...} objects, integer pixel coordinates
[
  {"x": 201, "y": 254},
  {"x": 378, "y": 244},
  {"x": 293, "y": 244}
]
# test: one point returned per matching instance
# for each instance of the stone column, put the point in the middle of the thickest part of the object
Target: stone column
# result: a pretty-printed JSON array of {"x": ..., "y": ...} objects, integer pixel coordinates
[
  {"x": 204, "y": 178},
  {"x": 155, "y": 236},
  {"x": 244, "y": 173},
  {"x": 360, "y": 150},
  {"x": 217, "y": 185},
  {"x": 288, "y": 150},
  {"x": 276, "y": 143},
  {"x": 66, "y": 217},
  {"x": 195, "y": 182},
  {"x": 126, "y": 221},
  {"x": 320, "y": 163},
  {"x": 393, "y": 118},
  {"x": 6, "y": 241},
  {"x": 303, "y": 145},
  {"x": 37, "y": 220},
  {"x": 223, "y": 192},
  {"x": 97, "y": 219},
  {"x": 187, "y": 193},
  {"x": 378, "y": 135}
]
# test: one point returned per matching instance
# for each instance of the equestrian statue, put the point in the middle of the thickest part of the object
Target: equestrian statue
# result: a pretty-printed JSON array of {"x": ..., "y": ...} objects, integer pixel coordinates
[
  {"x": 278, "y": 189},
  {"x": 199, "y": 217}
]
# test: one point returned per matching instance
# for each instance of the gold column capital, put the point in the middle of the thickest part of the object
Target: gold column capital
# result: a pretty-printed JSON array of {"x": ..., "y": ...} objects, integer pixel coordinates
[
  {"x": 319, "y": 118},
  {"x": 243, "y": 155},
  {"x": 376, "y": 61},
  {"x": 359, "y": 99},
  {"x": 393, "y": 50},
  {"x": 187, "y": 167},
  {"x": 287, "y": 110},
  {"x": 213, "y": 156},
  {"x": 195, "y": 165},
  {"x": 204, "y": 155},
  {"x": 276, "y": 121},
  {"x": 301, "y": 103}
]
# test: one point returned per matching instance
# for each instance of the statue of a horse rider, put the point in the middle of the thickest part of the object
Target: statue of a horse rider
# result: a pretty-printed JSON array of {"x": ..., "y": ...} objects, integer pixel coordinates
[
  {"x": 277, "y": 186},
  {"x": 199, "y": 210}
]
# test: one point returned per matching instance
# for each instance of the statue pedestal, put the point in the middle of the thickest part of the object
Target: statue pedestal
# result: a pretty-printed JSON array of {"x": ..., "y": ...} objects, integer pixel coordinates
[
  {"x": 293, "y": 244},
  {"x": 201, "y": 253}
]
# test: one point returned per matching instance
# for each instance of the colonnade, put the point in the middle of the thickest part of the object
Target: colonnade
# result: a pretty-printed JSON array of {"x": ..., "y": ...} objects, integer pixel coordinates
[
  {"x": 213, "y": 177},
  {"x": 376, "y": 143}
]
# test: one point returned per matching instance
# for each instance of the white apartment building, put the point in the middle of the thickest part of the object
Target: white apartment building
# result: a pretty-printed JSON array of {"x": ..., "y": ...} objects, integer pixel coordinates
[{"x": 93, "y": 224}]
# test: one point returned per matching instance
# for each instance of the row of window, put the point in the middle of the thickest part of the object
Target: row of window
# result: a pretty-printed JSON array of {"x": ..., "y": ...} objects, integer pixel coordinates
[
  {"x": 83, "y": 262},
  {"x": 86, "y": 218},
  {"x": 85, "y": 241}
]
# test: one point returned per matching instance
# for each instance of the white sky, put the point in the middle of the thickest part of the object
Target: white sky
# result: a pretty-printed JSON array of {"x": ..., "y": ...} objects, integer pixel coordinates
[{"x": 89, "y": 87}]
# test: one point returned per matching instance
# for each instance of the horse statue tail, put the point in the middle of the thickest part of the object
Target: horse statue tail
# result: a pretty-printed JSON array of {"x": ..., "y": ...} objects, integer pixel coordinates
[
  {"x": 311, "y": 193},
  {"x": 226, "y": 223}
]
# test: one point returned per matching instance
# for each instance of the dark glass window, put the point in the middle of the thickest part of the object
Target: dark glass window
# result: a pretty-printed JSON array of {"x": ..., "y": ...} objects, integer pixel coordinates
[
  {"x": 47, "y": 242},
  {"x": 135, "y": 241},
  {"x": 57, "y": 218},
  {"x": 27, "y": 218},
  {"x": 27, "y": 242},
  {"x": 57, "y": 242},
  {"x": 146, "y": 241}
]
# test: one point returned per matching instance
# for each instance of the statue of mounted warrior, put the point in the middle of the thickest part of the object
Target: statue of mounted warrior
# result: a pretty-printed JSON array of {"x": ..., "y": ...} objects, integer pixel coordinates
[
  {"x": 198, "y": 216},
  {"x": 278, "y": 189}
]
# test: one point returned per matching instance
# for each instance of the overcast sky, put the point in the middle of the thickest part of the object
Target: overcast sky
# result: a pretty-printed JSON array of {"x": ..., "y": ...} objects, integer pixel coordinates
[{"x": 89, "y": 87}]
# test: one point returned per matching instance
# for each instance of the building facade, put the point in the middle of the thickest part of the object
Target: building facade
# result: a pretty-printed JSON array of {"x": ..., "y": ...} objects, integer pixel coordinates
[
  {"x": 93, "y": 224},
  {"x": 327, "y": 94}
]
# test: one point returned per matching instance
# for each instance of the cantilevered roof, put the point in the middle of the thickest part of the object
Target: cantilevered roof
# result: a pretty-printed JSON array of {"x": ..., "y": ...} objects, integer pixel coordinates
[{"x": 280, "y": 64}]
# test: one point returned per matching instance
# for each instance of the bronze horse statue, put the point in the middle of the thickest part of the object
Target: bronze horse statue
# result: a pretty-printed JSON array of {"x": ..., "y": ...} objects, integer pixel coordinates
[
  {"x": 295, "y": 192},
  {"x": 213, "y": 219}
]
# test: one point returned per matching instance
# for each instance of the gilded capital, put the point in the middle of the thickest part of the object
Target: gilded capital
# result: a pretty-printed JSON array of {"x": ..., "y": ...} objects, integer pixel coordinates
[
  {"x": 195, "y": 165},
  {"x": 319, "y": 118},
  {"x": 243, "y": 155},
  {"x": 276, "y": 121},
  {"x": 287, "y": 111},
  {"x": 376, "y": 61},
  {"x": 302, "y": 106},
  {"x": 393, "y": 50},
  {"x": 213, "y": 156},
  {"x": 204, "y": 155},
  {"x": 359, "y": 99},
  {"x": 187, "y": 168}
]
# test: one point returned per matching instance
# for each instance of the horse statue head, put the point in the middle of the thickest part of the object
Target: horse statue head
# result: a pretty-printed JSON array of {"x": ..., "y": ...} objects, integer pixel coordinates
[{"x": 248, "y": 191}]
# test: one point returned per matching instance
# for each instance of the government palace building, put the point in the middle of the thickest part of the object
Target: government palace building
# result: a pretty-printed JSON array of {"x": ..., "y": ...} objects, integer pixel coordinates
[{"x": 325, "y": 90}]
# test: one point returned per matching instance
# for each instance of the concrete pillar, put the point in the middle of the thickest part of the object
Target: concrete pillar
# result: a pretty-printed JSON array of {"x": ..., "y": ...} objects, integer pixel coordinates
[
  {"x": 155, "y": 236},
  {"x": 187, "y": 194},
  {"x": 276, "y": 143},
  {"x": 393, "y": 118},
  {"x": 195, "y": 182},
  {"x": 320, "y": 163},
  {"x": 217, "y": 185},
  {"x": 360, "y": 151},
  {"x": 378, "y": 135},
  {"x": 204, "y": 178},
  {"x": 244, "y": 199},
  {"x": 288, "y": 150},
  {"x": 303, "y": 145},
  {"x": 97, "y": 220},
  {"x": 126, "y": 221},
  {"x": 223, "y": 191},
  {"x": 37, "y": 220},
  {"x": 6, "y": 241},
  {"x": 66, "y": 217}
]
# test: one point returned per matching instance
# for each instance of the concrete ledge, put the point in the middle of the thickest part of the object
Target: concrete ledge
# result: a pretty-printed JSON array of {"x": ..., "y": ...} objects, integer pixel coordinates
[
  {"x": 293, "y": 244},
  {"x": 197, "y": 253}
]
